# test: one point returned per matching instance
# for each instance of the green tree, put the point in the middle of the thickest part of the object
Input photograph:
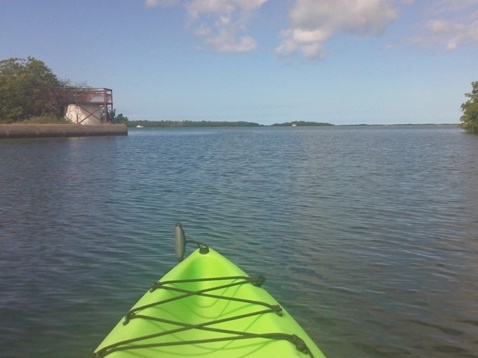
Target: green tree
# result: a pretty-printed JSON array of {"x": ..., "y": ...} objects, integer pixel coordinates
[
  {"x": 120, "y": 119},
  {"x": 469, "y": 119},
  {"x": 117, "y": 119},
  {"x": 28, "y": 88}
]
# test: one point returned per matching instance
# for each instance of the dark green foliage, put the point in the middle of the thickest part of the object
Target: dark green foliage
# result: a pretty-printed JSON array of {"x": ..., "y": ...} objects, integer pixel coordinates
[
  {"x": 469, "y": 119},
  {"x": 120, "y": 119},
  {"x": 28, "y": 88},
  {"x": 117, "y": 119},
  {"x": 112, "y": 114}
]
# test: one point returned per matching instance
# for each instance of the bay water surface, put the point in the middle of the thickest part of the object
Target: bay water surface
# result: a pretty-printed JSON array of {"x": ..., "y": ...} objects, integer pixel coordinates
[{"x": 367, "y": 235}]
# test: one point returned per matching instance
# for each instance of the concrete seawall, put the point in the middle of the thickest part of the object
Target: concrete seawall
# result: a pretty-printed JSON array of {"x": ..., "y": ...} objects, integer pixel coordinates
[{"x": 60, "y": 130}]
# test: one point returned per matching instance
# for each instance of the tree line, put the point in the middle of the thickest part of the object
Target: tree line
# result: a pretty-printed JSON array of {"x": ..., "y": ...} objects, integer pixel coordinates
[
  {"x": 302, "y": 124},
  {"x": 189, "y": 124},
  {"x": 192, "y": 124}
]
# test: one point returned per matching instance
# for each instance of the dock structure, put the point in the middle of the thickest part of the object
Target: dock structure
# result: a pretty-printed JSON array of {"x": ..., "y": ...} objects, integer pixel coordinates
[{"x": 88, "y": 106}]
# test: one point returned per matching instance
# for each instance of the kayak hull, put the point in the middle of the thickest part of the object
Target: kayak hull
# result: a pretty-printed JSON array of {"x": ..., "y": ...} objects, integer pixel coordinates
[{"x": 207, "y": 307}]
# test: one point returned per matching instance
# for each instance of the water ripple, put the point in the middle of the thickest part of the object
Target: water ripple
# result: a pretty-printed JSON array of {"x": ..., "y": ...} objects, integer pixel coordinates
[{"x": 366, "y": 235}]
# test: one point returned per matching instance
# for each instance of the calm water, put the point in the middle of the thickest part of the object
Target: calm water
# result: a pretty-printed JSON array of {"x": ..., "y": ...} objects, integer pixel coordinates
[{"x": 368, "y": 236}]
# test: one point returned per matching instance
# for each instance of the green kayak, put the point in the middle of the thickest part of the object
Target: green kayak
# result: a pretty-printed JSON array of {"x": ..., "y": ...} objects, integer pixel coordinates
[{"x": 207, "y": 307}]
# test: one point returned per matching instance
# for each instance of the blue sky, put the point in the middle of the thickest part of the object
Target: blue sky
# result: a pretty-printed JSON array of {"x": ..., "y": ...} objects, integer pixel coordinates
[{"x": 265, "y": 61}]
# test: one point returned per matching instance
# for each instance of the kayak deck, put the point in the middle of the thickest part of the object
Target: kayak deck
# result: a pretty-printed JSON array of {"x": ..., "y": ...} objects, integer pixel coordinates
[{"x": 207, "y": 306}]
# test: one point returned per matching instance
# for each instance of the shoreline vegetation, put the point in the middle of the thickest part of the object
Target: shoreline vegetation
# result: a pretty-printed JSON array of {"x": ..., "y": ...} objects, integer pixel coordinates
[
  {"x": 192, "y": 124},
  {"x": 207, "y": 124}
]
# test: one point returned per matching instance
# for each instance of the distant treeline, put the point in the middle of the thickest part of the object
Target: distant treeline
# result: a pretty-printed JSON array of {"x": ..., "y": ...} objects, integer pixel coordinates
[
  {"x": 302, "y": 124},
  {"x": 179, "y": 124}
]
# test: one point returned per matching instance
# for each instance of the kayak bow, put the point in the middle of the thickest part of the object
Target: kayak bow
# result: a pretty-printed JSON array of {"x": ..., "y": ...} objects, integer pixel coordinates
[{"x": 207, "y": 307}]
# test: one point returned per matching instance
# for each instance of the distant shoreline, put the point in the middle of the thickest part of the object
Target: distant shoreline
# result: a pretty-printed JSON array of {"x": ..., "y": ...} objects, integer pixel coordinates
[
  {"x": 74, "y": 130},
  {"x": 400, "y": 125},
  {"x": 211, "y": 124},
  {"x": 60, "y": 130}
]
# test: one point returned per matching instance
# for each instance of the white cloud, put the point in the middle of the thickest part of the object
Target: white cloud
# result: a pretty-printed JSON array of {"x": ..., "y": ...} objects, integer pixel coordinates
[
  {"x": 451, "y": 34},
  {"x": 309, "y": 42},
  {"x": 313, "y": 22},
  {"x": 222, "y": 24},
  {"x": 449, "y": 24}
]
